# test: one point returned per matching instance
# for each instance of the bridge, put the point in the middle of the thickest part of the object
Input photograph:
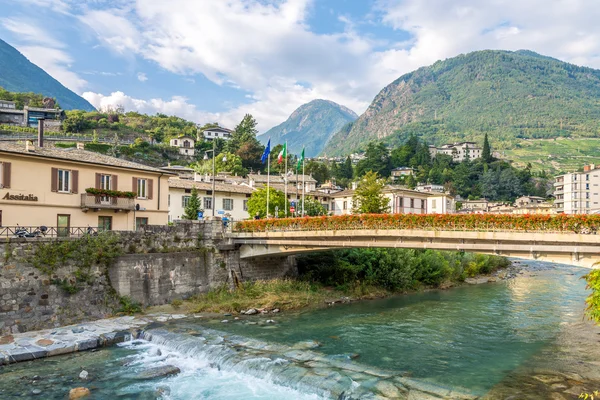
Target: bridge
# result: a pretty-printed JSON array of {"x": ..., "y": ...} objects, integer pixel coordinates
[{"x": 560, "y": 239}]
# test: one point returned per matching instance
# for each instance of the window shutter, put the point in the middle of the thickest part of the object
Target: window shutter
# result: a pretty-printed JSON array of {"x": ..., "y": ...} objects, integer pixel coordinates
[
  {"x": 6, "y": 174},
  {"x": 134, "y": 187},
  {"x": 98, "y": 181},
  {"x": 54, "y": 180},
  {"x": 114, "y": 184},
  {"x": 150, "y": 189},
  {"x": 74, "y": 181}
]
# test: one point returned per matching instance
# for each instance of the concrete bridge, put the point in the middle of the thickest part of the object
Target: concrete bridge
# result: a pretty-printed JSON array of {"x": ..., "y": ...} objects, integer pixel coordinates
[{"x": 563, "y": 247}]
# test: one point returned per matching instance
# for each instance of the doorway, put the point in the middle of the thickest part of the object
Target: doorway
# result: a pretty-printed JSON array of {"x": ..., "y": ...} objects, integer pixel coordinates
[
  {"x": 104, "y": 224},
  {"x": 63, "y": 225}
]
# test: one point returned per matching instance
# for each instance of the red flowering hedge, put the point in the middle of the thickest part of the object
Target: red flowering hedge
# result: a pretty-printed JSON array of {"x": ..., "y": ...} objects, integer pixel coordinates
[{"x": 466, "y": 222}]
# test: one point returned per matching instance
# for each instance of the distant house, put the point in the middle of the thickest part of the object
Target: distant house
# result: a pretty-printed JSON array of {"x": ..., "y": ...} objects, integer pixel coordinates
[
  {"x": 430, "y": 187},
  {"x": 401, "y": 172},
  {"x": 185, "y": 145},
  {"x": 524, "y": 201},
  {"x": 458, "y": 151},
  {"x": 29, "y": 116},
  {"x": 216, "y": 133}
]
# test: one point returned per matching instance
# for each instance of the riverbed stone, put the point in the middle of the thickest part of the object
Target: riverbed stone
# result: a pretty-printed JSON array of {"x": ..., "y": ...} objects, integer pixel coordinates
[
  {"x": 157, "y": 372},
  {"x": 44, "y": 342},
  {"x": 252, "y": 311},
  {"x": 78, "y": 393}
]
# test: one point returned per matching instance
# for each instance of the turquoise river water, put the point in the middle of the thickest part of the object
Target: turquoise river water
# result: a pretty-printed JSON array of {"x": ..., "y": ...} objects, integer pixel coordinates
[{"x": 469, "y": 338}]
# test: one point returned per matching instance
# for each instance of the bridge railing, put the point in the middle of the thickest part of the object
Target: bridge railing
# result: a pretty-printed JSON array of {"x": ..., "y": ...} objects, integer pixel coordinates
[{"x": 582, "y": 224}]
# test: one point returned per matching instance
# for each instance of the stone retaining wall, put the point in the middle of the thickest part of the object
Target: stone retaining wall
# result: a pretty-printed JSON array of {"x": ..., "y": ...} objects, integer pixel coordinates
[{"x": 159, "y": 265}]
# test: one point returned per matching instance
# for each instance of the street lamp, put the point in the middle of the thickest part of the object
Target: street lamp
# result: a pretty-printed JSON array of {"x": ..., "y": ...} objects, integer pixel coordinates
[{"x": 213, "y": 174}]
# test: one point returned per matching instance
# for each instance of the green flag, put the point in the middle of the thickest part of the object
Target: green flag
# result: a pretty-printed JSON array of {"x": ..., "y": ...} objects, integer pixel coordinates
[{"x": 300, "y": 160}]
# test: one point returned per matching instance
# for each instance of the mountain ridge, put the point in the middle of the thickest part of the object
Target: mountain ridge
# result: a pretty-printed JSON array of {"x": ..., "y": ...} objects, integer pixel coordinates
[
  {"x": 510, "y": 95},
  {"x": 21, "y": 75},
  {"x": 310, "y": 125}
]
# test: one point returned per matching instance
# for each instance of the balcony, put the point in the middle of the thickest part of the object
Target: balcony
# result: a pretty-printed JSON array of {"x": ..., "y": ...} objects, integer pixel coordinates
[{"x": 96, "y": 202}]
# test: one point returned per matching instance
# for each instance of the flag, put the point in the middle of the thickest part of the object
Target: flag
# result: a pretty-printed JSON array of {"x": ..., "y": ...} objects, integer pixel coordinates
[
  {"x": 282, "y": 154},
  {"x": 263, "y": 159},
  {"x": 300, "y": 160}
]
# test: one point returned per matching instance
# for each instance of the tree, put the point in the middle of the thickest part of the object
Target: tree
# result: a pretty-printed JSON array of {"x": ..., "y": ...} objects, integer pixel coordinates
[
  {"x": 232, "y": 164},
  {"x": 193, "y": 206},
  {"x": 318, "y": 170},
  {"x": 486, "y": 153},
  {"x": 257, "y": 203},
  {"x": 368, "y": 197},
  {"x": 377, "y": 159},
  {"x": 346, "y": 170},
  {"x": 312, "y": 207},
  {"x": 244, "y": 143}
]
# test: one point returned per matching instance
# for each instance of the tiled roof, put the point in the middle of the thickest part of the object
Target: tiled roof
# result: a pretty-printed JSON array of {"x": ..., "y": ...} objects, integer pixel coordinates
[
  {"x": 219, "y": 187},
  {"x": 76, "y": 155},
  {"x": 344, "y": 193}
]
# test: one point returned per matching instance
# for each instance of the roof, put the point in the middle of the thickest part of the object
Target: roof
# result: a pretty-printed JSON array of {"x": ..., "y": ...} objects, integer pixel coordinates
[
  {"x": 177, "y": 168},
  {"x": 344, "y": 193},
  {"x": 185, "y": 137},
  {"x": 218, "y": 128},
  {"x": 76, "y": 155},
  {"x": 11, "y": 111},
  {"x": 219, "y": 187},
  {"x": 49, "y": 110}
]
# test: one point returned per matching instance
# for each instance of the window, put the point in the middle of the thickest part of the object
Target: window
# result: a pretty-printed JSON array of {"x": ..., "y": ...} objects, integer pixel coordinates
[
  {"x": 169, "y": 200},
  {"x": 175, "y": 142},
  {"x": 186, "y": 144},
  {"x": 434, "y": 203},
  {"x": 245, "y": 205},
  {"x": 587, "y": 186},
  {"x": 64, "y": 181},
  {"x": 587, "y": 195},
  {"x": 142, "y": 188},
  {"x": 345, "y": 205},
  {"x": 208, "y": 203},
  {"x": 227, "y": 204},
  {"x": 587, "y": 204},
  {"x": 185, "y": 201},
  {"x": 140, "y": 221},
  {"x": 105, "y": 182},
  {"x": 412, "y": 203},
  {"x": 587, "y": 177}
]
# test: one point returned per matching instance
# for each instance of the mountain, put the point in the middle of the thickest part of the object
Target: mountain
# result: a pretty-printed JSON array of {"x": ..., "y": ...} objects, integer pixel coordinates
[
  {"x": 311, "y": 125},
  {"x": 510, "y": 95},
  {"x": 18, "y": 74}
]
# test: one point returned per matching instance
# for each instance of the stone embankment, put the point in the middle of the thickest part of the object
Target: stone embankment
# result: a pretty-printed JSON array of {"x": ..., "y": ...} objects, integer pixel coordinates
[{"x": 154, "y": 266}]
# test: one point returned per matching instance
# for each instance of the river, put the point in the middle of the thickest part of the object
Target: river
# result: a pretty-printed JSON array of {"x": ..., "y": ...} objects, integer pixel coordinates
[{"x": 524, "y": 337}]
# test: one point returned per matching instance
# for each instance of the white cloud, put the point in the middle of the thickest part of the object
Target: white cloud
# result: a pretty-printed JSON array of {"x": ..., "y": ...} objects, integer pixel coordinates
[{"x": 142, "y": 77}]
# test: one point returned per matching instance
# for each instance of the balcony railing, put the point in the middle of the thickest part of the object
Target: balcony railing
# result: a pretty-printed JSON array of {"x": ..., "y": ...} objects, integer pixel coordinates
[{"x": 95, "y": 202}]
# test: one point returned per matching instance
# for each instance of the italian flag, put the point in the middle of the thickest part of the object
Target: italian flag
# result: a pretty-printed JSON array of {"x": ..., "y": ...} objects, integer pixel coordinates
[{"x": 282, "y": 154}]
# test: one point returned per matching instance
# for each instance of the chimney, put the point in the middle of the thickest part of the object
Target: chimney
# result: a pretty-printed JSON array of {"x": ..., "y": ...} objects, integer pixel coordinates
[
  {"x": 586, "y": 168},
  {"x": 41, "y": 132},
  {"x": 29, "y": 146},
  {"x": 80, "y": 146}
]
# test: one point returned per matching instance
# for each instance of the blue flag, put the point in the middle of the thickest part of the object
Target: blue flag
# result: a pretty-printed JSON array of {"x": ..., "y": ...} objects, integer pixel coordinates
[{"x": 264, "y": 158}]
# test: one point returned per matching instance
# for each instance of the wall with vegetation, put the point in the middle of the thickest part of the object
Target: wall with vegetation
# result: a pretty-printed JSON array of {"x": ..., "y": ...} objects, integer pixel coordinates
[{"x": 47, "y": 282}]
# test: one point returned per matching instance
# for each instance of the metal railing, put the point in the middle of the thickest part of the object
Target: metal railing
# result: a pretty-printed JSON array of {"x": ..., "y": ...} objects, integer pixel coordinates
[
  {"x": 104, "y": 202},
  {"x": 29, "y": 232}
]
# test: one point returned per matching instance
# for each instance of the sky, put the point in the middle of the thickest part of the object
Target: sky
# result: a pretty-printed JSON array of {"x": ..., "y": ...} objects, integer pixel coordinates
[{"x": 216, "y": 60}]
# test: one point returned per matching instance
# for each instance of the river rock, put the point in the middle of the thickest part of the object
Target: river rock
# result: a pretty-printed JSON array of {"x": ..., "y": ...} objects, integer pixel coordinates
[
  {"x": 44, "y": 342},
  {"x": 8, "y": 339},
  {"x": 308, "y": 344},
  {"x": 36, "y": 391},
  {"x": 159, "y": 371},
  {"x": 275, "y": 311},
  {"x": 83, "y": 375},
  {"x": 252, "y": 311},
  {"x": 78, "y": 393}
]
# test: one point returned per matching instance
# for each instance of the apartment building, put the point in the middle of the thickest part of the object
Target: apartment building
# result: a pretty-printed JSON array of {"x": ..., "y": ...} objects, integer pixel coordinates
[
  {"x": 578, "y": 192},
  {"x": 65, "y": 188},
  {"x": 458, "y": 151}
]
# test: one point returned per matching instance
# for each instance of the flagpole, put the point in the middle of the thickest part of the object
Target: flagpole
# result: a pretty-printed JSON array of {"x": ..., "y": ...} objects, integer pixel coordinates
[
  {"x": 303, "y": 186},
  {"x": 285, "y": 180},
  {"x": 268, "y": 181},
  {"x": 297, "y": 209}
]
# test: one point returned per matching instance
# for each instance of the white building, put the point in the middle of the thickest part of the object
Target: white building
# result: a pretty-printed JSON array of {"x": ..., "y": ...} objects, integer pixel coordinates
[
  {"x": 578, "y": 192},
  {"x": 401, "y": 201},
  {"x": 231, "y": 199},
  {"x": 430, "y": 187},
  {"x": 185, "y": 144},
  {"x": 216, "y": 133},
  {"x": 458, "y": 151}
]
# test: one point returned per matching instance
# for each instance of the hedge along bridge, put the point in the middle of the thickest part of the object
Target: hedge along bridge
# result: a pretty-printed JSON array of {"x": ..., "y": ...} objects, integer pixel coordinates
[{"x": 562, "y": 239}]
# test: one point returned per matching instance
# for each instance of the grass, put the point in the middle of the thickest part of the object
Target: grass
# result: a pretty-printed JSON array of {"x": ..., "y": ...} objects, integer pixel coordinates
[
  {"x": 554, "y": 155},
  {"x": 285, "y": 294}
]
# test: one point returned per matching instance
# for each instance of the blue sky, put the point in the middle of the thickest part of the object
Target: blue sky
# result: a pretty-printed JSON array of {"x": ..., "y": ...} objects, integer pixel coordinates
[{"x": 215, "y": 60}]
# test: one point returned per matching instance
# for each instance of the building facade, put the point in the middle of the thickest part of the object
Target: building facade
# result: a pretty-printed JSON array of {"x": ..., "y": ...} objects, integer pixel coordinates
[
  {"x": 458, "y": 151},
  {"x": 42, "y": 186},
  {"x": 216, "y": 133},
  {"x": 578, "y": 192},
  {"x": 185, "y": 144},
  {"x": 231, "y": 200}
]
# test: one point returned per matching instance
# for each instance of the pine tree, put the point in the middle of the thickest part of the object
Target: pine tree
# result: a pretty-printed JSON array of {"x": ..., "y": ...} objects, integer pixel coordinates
[
  {"x": 193, "y": 206},
  {"x": 486, "y": 153}
]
